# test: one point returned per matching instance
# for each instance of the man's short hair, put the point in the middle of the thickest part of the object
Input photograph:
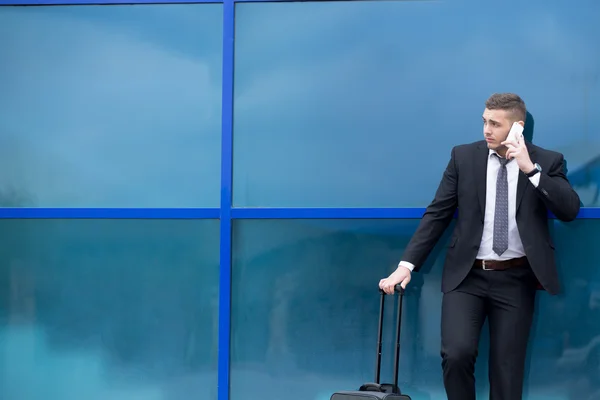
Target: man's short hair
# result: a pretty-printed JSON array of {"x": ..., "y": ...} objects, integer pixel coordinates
[{"x": 509, "y": 102}]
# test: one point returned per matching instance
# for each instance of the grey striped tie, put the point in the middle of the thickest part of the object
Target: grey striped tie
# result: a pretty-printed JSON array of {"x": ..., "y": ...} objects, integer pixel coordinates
[{"x": 500, "y": 244}]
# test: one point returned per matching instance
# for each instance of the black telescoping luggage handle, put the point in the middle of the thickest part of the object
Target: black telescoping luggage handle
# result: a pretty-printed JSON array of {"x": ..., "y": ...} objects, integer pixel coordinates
[{"x": 400, "y": 291}]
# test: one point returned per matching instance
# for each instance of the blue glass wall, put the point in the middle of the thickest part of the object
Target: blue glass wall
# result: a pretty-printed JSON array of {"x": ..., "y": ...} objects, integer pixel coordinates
[
  {"x": 336, "y": 104},
  {"x": 108, "y": 309},
  {"x": 304, "y": 315},
  {"x": 111, "y": 106},
  {"x": 197, "y": 200}
]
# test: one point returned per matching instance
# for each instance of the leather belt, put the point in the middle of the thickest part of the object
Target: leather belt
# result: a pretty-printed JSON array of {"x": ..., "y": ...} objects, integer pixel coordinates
[{"x": 495, "y": 265}]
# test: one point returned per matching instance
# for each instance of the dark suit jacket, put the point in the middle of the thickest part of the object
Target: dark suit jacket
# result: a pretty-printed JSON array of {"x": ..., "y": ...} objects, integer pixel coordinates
[{"x": 463, "y": 186}]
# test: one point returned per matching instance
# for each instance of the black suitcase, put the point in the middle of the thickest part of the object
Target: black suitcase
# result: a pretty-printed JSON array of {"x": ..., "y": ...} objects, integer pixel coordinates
[{"x": 376, "y": 390}]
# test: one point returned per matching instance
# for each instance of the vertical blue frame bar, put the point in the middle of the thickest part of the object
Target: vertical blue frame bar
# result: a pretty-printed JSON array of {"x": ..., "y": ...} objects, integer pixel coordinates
[{"x": 226, "y": 201}]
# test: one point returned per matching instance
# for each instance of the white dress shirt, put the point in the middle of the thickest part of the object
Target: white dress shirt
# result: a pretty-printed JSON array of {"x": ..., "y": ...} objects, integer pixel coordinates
[{"x": 515, "y": 246}]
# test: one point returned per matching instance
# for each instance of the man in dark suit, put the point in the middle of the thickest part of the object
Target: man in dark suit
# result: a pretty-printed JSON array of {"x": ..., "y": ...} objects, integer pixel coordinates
[{"x": 500, "y": 252}]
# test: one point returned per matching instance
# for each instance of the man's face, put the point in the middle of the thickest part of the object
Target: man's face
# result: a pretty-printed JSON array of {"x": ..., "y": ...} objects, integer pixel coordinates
[{"x": 496, "y": 125}]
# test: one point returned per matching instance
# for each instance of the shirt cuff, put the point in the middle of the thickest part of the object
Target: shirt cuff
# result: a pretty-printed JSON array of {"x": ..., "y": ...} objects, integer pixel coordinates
[
  {"x": 406, "y": 264},
  {"x": 535, "y": 180}
]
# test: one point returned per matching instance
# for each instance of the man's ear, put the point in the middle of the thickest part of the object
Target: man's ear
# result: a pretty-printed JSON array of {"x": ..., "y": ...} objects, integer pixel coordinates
[{"x": 522, "y": 123}]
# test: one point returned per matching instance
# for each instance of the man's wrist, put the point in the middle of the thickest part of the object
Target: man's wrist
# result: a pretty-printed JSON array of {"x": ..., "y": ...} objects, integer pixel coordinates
[
  {"x": 406, "y": 264},
  {"x": 528, "y": 167}
]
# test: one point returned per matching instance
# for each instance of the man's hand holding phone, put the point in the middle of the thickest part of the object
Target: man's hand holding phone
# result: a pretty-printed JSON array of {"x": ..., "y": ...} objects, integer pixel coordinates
[
  {"x": 515, "y": 134},
  {"x": 517, "y": 150}
]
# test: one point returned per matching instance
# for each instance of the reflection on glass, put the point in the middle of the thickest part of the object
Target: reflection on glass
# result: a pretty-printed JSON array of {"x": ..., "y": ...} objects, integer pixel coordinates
[
  {"x": 351, "y": 104},
  {"x": 110, "y": 106},
  {"x": 305, "y": 301},
  {"x": 108, "y": 309}
]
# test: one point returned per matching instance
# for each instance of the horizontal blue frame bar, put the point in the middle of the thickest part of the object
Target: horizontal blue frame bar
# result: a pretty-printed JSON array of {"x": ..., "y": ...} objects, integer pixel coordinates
[
  {"x": 97, "y": 2},
  {"x": 332, "y": 213},
  {"x": 111, "y": 213},
  {"x": 588, "y": 213},
  {"x": 236, "y": 213},
  {"x": 314, "y": 1},
  {"x": 349, "y": 213},
  {"x": 117, "y": 2}
]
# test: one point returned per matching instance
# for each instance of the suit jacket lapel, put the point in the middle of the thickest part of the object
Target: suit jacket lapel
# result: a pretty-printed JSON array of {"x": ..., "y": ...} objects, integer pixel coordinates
[
  {"x": 481, "y": 161},
  {"x": 522, "y": 182}
]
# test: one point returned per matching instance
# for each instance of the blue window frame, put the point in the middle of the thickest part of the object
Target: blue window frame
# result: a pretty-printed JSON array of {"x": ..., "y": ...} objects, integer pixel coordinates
[{"x": 225, "y": 213}]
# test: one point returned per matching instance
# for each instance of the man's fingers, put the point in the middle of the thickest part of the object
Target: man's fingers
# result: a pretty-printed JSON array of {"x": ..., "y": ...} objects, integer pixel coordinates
[
  {"x": 388, "y": 285},
  {"x": 405, "y": 282},
  {"x": 383, "y": 285},
  {"x": 511, "y": 153}
]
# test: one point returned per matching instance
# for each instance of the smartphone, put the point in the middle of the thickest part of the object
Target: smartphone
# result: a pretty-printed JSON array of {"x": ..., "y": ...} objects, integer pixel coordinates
[{"x": 516, "y": 133}]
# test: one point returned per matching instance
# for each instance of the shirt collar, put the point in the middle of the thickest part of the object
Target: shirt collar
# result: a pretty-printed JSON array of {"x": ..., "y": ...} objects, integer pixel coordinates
[{"x": 492, "y": 152}]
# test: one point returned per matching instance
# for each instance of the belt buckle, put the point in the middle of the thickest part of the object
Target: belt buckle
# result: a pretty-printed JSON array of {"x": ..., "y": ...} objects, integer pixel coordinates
[{"x": 484, "y": 267}]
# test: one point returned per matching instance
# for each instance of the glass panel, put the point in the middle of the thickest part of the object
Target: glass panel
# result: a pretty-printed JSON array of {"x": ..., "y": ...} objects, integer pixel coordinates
[
  {"x": 305, "y": 309},
  {"x": 357, "y": 104},
  {"x": 109, "y": 309},
  {"x": 110, "y": 106}
]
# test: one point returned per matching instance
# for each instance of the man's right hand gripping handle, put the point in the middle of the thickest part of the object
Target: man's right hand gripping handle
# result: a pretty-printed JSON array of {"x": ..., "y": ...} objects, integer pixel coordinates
[{"x": 400, "y": 276}]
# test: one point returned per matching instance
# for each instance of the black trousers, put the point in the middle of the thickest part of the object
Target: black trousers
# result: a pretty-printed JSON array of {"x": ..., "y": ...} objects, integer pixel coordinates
[{"x": 507, "y": 298}]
